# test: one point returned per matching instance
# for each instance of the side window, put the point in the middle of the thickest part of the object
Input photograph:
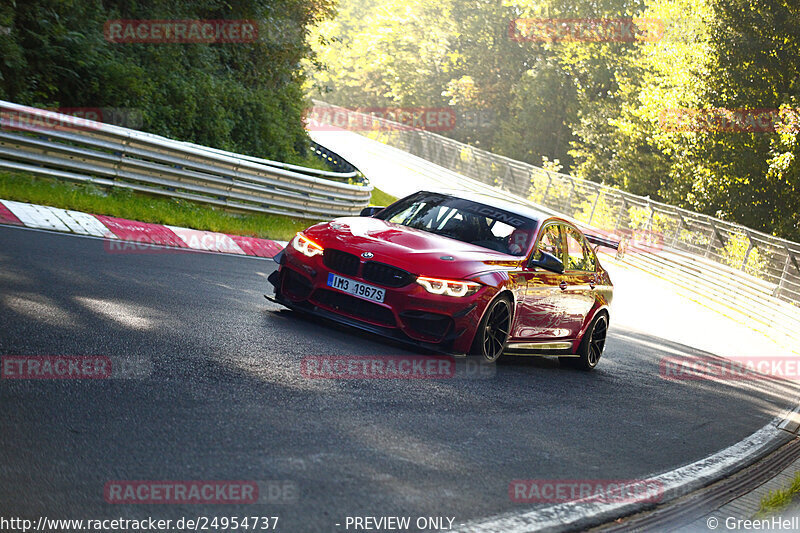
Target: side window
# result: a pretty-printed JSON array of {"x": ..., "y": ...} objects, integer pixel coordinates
[
  {"x": 519, "y": 239},
  {"x": 550, "y": 242},
  {"x": 408, "y": 213},
  {"x": 579, "y": 257},
  {"x": 501, "y": 230}
]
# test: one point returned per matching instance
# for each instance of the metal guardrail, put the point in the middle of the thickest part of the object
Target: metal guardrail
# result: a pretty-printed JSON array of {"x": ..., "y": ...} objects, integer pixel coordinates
[
  {"x": 755, "y": 254},
  {"x": 338, "y": 162},
  {"x": 715, "y": 286},
  {"x": 61, "y": 146}
]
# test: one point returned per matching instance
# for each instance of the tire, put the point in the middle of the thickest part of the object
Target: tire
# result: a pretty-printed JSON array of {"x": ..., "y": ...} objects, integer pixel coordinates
[
  {"x": 492, "y": 334},
  {"x": 591, "y": 347}
]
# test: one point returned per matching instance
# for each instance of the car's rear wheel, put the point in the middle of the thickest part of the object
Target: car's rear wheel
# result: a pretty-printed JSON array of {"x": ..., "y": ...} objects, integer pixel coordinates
[
  {"x": 591, "y": 347},
  {"x": 490, "y": 339}
]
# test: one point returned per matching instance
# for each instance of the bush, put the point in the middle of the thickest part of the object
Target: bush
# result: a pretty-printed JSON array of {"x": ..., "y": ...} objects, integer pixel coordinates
[{"x": 243, "y": 97}]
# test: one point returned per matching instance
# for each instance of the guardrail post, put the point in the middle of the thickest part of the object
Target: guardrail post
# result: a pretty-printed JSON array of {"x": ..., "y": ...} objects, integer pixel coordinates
[
  {"x": 547, "y": 189},
  {"x": 413, "y": 144},
  {"x": 747, "y": 253},
  {"x": 424, "y": 149},
  {"x": 794, "y": 259},
  {"x": 623, "y": 210},
  {"x": 677, "y": 230},
  {"x": 508, "y": 177},
  {"x": 714, "y": 233},
  {"x": 472, "y": 168},
  {"x": 454, "y": 162},
  {"x": 433, "y": 151},
  {"x": 779, "y": 288},
  {"x": 569, "y": 196},
  {"x": 789, "y": 257},
  {"x": 416, "y": 143},
  {"x": 594, "y": 206}
]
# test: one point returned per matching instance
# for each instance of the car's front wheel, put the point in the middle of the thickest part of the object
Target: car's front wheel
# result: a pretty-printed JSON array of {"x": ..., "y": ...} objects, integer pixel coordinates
[
  {"x": 591, "y": 347},
  {"x": 490, "y": 339}
]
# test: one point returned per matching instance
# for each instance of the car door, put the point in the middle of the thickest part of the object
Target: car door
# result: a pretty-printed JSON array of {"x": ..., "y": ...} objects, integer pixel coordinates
[
  {"x": 540, "y": 311},
  {"x": 579, "y": 275}
]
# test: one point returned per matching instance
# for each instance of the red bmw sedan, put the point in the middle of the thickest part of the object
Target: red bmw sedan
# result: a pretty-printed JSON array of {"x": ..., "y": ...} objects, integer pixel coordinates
[{"x": 456, "y": 273}]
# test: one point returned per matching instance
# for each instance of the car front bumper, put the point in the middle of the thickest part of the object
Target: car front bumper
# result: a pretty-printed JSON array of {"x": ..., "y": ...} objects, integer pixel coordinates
[{"x": 408, "y": 313}]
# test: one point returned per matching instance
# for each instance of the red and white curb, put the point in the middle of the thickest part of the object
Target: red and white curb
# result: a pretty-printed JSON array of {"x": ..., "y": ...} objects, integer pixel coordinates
[{"x": 140, "y": 233}]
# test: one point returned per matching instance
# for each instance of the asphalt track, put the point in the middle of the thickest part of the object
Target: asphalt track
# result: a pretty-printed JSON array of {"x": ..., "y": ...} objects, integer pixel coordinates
[{"x": 218, "y": 395}]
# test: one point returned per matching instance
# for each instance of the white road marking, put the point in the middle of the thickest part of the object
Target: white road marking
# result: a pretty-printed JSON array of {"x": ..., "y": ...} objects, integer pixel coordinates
[
  {"x": 791, "y": 421},
  {"x": 61, "y": 215},
  {"x": 33, "y": 217},
  {"x": 207, "y": 240},
  {"x": 90, "y": 224},
  {"x": 675, "y": 483}
]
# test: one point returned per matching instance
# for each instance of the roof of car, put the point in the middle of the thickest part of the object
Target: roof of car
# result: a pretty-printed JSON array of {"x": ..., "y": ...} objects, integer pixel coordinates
[{"x": 507, "y": 203}]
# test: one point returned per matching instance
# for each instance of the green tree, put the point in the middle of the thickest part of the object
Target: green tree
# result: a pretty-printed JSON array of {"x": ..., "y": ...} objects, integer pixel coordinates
[
  {"x": 754, "y": 178},
  {"x": 603, "y": 109},
  {"x": 539, "y": 120},
  {"x": 245, "y": 97}
]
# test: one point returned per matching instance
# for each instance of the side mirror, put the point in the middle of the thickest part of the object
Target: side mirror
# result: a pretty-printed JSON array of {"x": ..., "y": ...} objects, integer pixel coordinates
[
  {"x": 549, "y": 262},
  {"x": 369, "y": 211}
]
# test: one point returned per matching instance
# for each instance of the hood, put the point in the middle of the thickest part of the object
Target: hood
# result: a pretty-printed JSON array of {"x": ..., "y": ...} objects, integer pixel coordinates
[{"x": 416, "y": 251}]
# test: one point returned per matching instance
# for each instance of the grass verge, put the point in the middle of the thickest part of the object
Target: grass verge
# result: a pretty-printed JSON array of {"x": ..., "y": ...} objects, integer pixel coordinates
[
  {"x": 777, "y": 500},
  {"x": 380, "y": 198},
  {"x": 145, "y": 208}
]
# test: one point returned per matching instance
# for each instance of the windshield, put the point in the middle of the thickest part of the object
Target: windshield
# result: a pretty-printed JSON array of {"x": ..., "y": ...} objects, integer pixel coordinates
[{"x": 464, "y": 220}]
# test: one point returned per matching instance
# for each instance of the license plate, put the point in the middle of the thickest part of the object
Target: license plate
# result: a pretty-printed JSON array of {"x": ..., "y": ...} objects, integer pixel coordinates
[{"x": 356, "y": 288}]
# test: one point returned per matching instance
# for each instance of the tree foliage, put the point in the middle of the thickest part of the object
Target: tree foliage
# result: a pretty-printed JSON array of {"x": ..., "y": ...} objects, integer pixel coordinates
[
  {"x": 599, "y": 108},
  {"x": 245, "y": 97}
]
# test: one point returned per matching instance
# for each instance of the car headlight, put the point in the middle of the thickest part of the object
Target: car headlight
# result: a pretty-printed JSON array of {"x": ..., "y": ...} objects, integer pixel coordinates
[
  {"x": 306, "y": 246},
  {"x": 448, "y": 287}
]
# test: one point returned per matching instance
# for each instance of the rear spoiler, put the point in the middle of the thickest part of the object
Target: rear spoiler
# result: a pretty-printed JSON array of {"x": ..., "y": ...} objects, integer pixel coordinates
[{"x": 601, "y": 241}]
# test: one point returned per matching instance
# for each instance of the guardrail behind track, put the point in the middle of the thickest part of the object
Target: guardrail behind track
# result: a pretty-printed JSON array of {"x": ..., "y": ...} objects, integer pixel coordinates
[
  {"x": 748, "y": 270},
  {"x": 61, "y": 146}
]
